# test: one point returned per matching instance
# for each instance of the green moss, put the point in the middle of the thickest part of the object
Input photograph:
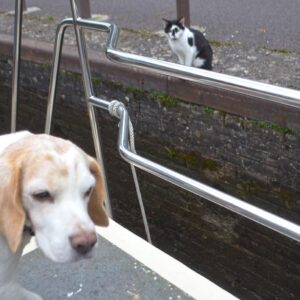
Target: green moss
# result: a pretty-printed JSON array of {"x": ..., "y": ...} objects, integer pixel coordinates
[
  {"x": 97, "y": 80},
  {"x": 188, "y": 159},
  {"x": 222, "y": 113},
  {"x": 142, "y": 33},
  {"x": 280, "y": 51},
  {"x": 164, "y": 99},
  {"x": 191, "y": 159},
  {"x": 287, "y": 198},
  {"x": 46, "y": 66},
  {"x": 71, "y": 74},
  {"x": 44, "y": 19},
  {"x": 250, "y": 188},
  {"x": 116, "y": 85},
  {"x": 208, "y": 109},
  {"x": 50, "y": 18},
  {"x": 209, "y": 164},
  {"x": 171, "y": 153},
  {"x": 217, "y": 43},
  {"x": 125, "y": 88},
  {"x": 276, "y": 127},
  {"x": 133, "y": 90}
]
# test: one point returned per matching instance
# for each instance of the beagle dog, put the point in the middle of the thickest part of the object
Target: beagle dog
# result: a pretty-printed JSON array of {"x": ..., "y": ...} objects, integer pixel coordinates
[{"x": 52, "y": 187}]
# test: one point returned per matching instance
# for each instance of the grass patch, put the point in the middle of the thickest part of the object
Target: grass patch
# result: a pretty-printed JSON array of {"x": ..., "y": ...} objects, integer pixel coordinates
[
  {"x": 208, "y": 110},
  {"x": 280, "y": 51},
  {"x": 217, "y": 43},
  {"x": 142, "y": 33},
  {"x": 50, "y": 18},
  {"x": 44, "y": 19}
]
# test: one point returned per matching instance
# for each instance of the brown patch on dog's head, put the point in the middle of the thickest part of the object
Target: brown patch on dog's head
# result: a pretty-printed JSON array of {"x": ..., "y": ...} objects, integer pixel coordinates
[
  {"x": 96, "y": 208},
  {"x": 12, "y": 216}
]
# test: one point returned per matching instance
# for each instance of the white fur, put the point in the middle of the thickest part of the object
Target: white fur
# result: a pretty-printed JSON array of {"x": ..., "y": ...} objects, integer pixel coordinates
[
  {"x": 185, "y": 53},
  {"x": 53, "y": 222}
]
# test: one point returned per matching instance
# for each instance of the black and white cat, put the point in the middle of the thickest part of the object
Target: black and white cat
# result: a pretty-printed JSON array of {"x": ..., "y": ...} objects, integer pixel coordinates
[{"x": 190, "y": 45}]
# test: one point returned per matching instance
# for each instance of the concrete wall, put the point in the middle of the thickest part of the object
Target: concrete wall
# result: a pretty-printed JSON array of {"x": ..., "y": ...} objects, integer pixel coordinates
[{"x": 223, "y": 140}]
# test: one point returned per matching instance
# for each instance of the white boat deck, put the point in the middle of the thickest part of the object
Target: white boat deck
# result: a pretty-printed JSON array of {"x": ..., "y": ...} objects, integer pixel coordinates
[{"x": 124, "y": 267}]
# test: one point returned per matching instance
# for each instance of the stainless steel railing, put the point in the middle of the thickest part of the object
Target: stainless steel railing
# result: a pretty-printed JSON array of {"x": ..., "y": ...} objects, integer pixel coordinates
[
  {"x": 242, "y": 86},
  {"x": 16, "y": 62},
  {"x": 236, "y": 205}
]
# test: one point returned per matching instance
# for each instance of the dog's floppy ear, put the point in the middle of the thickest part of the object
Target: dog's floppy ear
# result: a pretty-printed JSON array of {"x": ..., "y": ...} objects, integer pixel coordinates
[
  {"x": 96, "y": 208},
  {"x": 12, "y": 213}
]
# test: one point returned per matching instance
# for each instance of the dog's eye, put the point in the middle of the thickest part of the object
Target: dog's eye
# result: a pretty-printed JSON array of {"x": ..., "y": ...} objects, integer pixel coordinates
[
  {"x": 42, "y": 196},
  {"x": 88, "y": 192}
]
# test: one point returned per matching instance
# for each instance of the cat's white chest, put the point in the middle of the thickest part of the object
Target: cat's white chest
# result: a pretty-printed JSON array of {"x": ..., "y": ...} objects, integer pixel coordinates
[
  {"x": 181, "y": 45},
  {"x": 185, "y": 52}
]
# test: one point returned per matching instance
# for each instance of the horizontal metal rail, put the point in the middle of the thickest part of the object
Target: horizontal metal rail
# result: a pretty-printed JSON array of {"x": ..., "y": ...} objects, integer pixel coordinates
[
  {"x": 238, "y": 85},
  {"x": 236, "y": 205},
  {"x": 247, "y": 87}
]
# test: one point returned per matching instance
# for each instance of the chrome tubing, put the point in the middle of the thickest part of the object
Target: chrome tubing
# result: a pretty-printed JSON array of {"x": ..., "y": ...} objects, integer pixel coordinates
[
  {"x": 16, "y": 62},
  {"x": 280, "y": 95},
  {"x": 88, "y": 90},
  {"x": 247, "y": 87},
  {"x": 59, "y": 38},
  {"x": 236, "y": 205}
]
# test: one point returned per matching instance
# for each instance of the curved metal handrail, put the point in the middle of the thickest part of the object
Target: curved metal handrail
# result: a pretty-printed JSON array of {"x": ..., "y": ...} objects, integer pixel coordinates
[
  {"x": 280, "y": 95},
  {"x": 234, "y": 204},
  {"x": 242, "y": 86}
]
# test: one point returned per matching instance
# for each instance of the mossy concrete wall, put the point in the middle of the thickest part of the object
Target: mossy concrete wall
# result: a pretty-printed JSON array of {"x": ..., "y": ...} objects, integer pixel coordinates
[{"x": 254, "y": 160}]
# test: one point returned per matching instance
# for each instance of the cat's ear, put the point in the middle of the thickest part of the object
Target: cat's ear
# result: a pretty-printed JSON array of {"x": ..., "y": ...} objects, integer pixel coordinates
[
  {"x": 165, "y": 20},
  {"x": 181, "y": 20}
]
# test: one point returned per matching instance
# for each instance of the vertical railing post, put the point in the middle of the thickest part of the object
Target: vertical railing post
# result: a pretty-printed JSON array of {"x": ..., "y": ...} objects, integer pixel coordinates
[
  {"x": 16, "y": 62},
  {"x": 183, "y": 10},
  {"x": 88, "y": 91}
]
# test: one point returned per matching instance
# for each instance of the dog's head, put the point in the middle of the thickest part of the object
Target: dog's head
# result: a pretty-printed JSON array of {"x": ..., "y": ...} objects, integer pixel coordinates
[{"x": 57, "y": 189}]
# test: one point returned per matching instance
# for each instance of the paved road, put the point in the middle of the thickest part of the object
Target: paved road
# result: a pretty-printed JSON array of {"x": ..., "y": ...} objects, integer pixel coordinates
[{"x": 263, "y": 23}]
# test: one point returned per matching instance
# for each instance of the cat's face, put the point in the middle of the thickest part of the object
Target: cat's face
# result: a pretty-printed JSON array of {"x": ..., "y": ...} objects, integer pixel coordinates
[{"x": 174, "y": 28}]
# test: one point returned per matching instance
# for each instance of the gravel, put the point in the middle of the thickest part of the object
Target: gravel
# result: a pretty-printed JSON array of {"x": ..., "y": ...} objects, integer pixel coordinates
[{"x": 275, "y": 66}]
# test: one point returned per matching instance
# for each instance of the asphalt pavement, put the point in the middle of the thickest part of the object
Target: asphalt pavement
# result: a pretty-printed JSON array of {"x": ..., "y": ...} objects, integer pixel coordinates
[{"x": 256, "y": 23}]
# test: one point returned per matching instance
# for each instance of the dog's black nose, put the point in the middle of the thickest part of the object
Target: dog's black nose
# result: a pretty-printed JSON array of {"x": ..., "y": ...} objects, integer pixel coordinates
[{"x": 82, "y": 243}]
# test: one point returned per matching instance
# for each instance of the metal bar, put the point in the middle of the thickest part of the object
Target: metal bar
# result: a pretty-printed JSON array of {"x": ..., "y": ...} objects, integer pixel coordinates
[
  {"x": 59, "y": 37},
  {"x": 242, "y": 86},
  {"x": 16, "y": 62},
  {"x": 88, "y": 89},
  {"x": 57, "y": 52},
  {"x": 268, "y": 92},
  {"x": 183, "y": 11},
  {"x": 242, "y": 208}
]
